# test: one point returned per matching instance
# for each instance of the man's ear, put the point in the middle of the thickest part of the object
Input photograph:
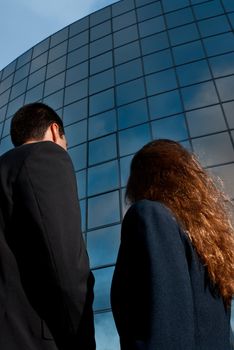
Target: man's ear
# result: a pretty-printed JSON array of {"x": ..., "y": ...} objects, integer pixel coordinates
[{"x": 54, "y": 128}]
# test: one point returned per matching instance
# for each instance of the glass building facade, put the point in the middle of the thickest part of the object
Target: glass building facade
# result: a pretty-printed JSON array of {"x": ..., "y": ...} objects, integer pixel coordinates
[{"x": 132, "y": 72}]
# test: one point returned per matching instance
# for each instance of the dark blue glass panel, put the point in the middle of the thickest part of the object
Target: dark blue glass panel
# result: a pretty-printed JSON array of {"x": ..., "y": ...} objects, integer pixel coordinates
[
  {"x": 214, "y": 149},
  {"x": 231, "y": 18},
  {"x": 34, "y": 94},
  {"x": 125, "y": 36},
  {"x": 58, "y": 51},
  {"x": 160, "y": 82},
  {"x": 79, "y": 26},
  {"x": 103, "y": 245},
  {"x": 79, "y": 156},
  {"x": 128, "y": 71},
  {"x": 206, "y": 120},
  {"x": 54, "y": 84},
  {"x": 229, "y": 5},
  {"x": 214, "y": 26},
  {"x": 125, "y": 163},
  {"x": 56, "y": 67},
  {"x": 101, "y": 102},
  {"x": 38, "y": 62},
  {"x": 36, "y": 78},
  {"x": 81, "y": 183},
  {"x": 14, "y": 105},
  {"x": 173, "y": 128},
  {"x": 8, "y": 70},
  {"x": 188, "y": 52},
  {"x": 55, "y": 101},
  {"x": 41, "y": 47},
  {"x": 124, "y": 20},
  {"x": 154, "y": 43},
  {"x": 180, "y": 17},
  {"x": 75, "y": 112},
  {"x": 132, "y": 114},
  {"x": 225, "y": 88},
  {"x": 5, "y": 145},
  {"x": 103, "y": 210},
  {"x": 102, "y": 286},
  {"x": 100, "y": 46},
  {"x": 151, "y": 26},
  {"x": 122, "y": 6},
  {"x": 4, "y": 97},
  {"x": 165, "y": 104},
  {"x": 104, "y": 331},
  {"x": 193, "y": 72},
  {"x": 199, "y": 95},
  {"x": 101, "y": 62},
  {"x": 228, "y": 110},
  {"x": 101, "y": 81},
  {"x": 21, "y": 73},
  {"x": 219, "y": 44},
  {"x": 102, "y": 124},
  {"x": 102, "y": 149},
  {"x": 6, "y": 127},
  {"x": 149, "y": 11},
  {"x": 183, "y": 34},
  {"x": 100, "y": 30},
  {"x": 222, "y": 65},
  {"x": 18, "y": 89},
  {"x": 100, "y": 16},
  {"x": 157, "y": 61},
  {"x": 2, "y": 114},
  {"x": 59, "y": 37},
  {"x": 170, "y": 5},
  {"x": 131, "y": 140},
  {"x": 83, "y": 214},
  {"x": 129, "y": 92},
  {"x": 208, "y": 9},
  {"x": 6, "y": 83},
  {"x": 76, "y": 133},
  {"x": 127, "y": 52},
  {"x": 77, "y": 56},
  {"x": 77, "y": 73},
  {"x": 76, "y": 91},
  {"x": 79, "y": 40},
  {"x": 103, "y": 178}
]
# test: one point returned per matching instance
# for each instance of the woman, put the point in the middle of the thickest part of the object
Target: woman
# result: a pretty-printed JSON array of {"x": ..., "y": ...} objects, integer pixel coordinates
[{"x": 174, "y": 278}]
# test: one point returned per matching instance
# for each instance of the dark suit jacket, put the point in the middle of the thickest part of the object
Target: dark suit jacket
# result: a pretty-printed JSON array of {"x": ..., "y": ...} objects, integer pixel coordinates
[
  {"x": 46, "y": 288},
  {"x": 161, "y": 296}
]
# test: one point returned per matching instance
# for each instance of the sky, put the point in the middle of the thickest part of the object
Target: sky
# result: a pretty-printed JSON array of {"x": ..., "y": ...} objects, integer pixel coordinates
[{"x": 24, "y": 23}]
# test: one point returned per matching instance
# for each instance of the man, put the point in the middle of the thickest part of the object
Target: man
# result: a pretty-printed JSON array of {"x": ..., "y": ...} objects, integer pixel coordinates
[{"x": 46, "y": 287}]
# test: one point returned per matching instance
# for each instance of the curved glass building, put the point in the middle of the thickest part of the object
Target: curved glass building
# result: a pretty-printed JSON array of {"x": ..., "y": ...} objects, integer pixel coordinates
[{"x": 129, "y": 73}]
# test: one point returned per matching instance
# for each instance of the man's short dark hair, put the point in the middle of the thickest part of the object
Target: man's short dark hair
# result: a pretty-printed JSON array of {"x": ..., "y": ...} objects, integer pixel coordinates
[{"x": 31, "y": 121}]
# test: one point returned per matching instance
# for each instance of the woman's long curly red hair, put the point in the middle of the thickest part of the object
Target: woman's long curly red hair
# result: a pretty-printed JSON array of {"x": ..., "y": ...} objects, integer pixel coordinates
[{"x": 165, "y": 171}]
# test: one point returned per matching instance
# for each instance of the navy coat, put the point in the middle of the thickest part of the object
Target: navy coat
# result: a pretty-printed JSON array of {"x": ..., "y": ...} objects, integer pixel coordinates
[{"x": 161, "y": 296}]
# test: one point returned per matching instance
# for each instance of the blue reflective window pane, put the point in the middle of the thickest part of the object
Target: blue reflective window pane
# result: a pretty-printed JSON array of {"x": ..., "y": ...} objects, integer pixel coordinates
[
  {"x": 23, "y": 59},
  {"x": 173, "y": 128},
  {"x": 157, "y": 61},
  {"x": 58, "y": 51},
  {"x": 193, "y": 72},
  {"x": 127, "y": 52},
  {"x": 219, "y": 44},
  {"x": 101, "y": 62},
  {"x": 83, "y": 214},
  {"x": 165, "y": 104},
  {"x": 101, "y": 102},
  {"x": 77, "y": 56},
  {"x": 14, "y": 105},
  {"x": 59, "y": 37},
  {"x": 102, "y": 149},
  {"x": 100, "y": 30},
  {"x": 180, "y": 17},
  {"x": 170, "y": 5},
  {"x": 125, "y": 163},
  {"x": 79, "y": 40},
  {"x": 100, "y": 46},
  {"x": 9, "y": 69},
  {"x": 54, "y": 84},
  {"x": 100, "y": 16},
  {"x": 228, "y": 4},
  {"x": 103, "y": 178},
  {"x": 6, "y": 127},
  {"x": 56, "y": 67},
  {"x": 214, "y": 149},
  {"x": 76, "y": 91},
  {"x": 206, "y": 120},
  {"x": 188, "y": 52},
  {"x": 38, "y": 62},
  {"x": 18, "y": 89},
  {"x": 36, "y": 78},
  {"x": 6, "y": 83},
  {"x": 132, "y": 114},
  {"x": 102, "y": 124},
  {"x": 77, "y": 73},
  {"x": 228, "y": 110},
  {"x": 143, "y": 2},
  {"x": 4, "y": 97},
  {"x": 183, "y": 34},
  {"x": 122, "y": 6},
  {"x": 125, "y": 36},
  {"x": 225, "y": 88},
  {"x": 129, "y": 92},
  {"x": 21, "y": 73},
  {"x": 76, "y": 133},
  {"x": 231, "y": 18},
  {"x": 154, "y": 43},
  {"x": 79, "y": 156},
  {"x": 35, "y": 94},
  {"x": 2, "y": 113},
  {"x": 105, "y": 330},
  {"x": 101, "y": 81},
  {"x": 131, "y": 140},
  {"x": 81, "y": 183},
  {"x": 5, "y": 145},
  {"x": 79, "y": 26},
  {"x": 199, "y": 95},
  {"x": 128, "y": 71},
  {"x": 124, "y": 20},
  {"x": 151, "y": 26},
  {"x": 149, "y": 11},
  {"x": 103, "y": 210},
  {"x": 103, "y": 245},
  {"x": 160, "y": 82},
  {"x": 226, "y": 174},
  {"x": 222, "y": 65},
  {"x": 55, "y": 101},
  {"x": 41, "y": 47},
  {"x": 103, "y": 278},
  {"x": 214, "y": 26},
  {"x": 208, "y": 9},
  {"x": 75, "y": 112}
]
